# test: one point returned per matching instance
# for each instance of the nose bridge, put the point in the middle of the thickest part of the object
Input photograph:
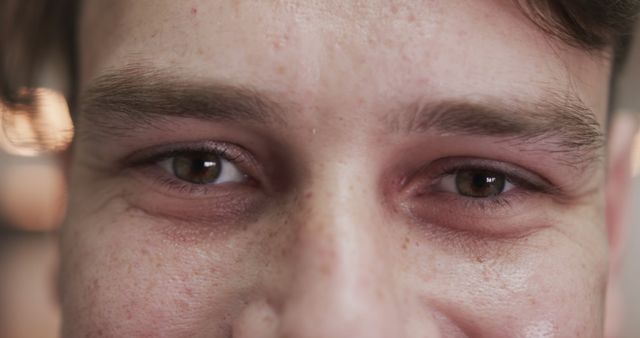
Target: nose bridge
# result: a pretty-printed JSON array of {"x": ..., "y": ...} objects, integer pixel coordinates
[
  {"x": 339, "y": 237},
  {"x": 341, "y": 283}
]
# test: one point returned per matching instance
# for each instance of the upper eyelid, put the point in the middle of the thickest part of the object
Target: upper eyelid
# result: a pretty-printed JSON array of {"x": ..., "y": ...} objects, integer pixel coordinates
[
  {"x": 232, "y": 153},
  {"x": 218, "y": 152}
]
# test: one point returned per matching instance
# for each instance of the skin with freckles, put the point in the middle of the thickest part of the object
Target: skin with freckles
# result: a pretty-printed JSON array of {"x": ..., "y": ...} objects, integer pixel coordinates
[{"x": 344, "y": 130}]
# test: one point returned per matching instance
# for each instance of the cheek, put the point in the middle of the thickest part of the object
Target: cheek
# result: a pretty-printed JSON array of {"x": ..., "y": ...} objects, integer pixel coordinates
[
  {"x": 545, "y": 286},
  {"x": 124, "y": 277}
]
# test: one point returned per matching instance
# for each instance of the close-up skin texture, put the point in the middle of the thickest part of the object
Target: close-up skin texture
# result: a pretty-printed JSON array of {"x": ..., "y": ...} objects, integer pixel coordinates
[{"x": 306, "y": 169}]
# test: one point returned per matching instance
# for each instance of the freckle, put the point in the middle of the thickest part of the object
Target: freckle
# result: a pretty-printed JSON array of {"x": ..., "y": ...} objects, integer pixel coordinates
[
  {"x": 281, "y": 70},
  {"x": 406, "y": 243},
  {"x": 394, "y": 9},
  {"x": 194, "y": 11},
  {"x": 273, "y": 233},
  {"x": 412, "y": 17}
]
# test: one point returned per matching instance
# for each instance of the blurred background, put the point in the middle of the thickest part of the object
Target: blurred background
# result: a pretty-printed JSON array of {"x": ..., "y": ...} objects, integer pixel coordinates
[
  {"x": 629, "y": 100},
  {"x": 32, "y": 206}
]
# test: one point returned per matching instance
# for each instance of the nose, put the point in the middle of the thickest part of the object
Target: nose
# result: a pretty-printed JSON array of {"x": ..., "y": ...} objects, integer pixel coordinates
[
  {"x": 342, "y": 284},
  {"x": 346, "y": 278},
  {"x": 344, "y": 266}
]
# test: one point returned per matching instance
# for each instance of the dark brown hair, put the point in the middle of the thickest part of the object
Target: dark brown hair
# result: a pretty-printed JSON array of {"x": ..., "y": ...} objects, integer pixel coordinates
[{"x": 30, "y": 30}]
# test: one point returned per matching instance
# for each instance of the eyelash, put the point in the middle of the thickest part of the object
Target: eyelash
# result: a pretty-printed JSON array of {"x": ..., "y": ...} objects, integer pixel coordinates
[
  {"x": 148, "y": 162},
  {"x": 524, "y": 186}
]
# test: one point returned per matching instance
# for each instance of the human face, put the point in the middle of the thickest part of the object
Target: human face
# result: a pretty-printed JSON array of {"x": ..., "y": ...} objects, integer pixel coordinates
[{"x": 334, "y": 169}]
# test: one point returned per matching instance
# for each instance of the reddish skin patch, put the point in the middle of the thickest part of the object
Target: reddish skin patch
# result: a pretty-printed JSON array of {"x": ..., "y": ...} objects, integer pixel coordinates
[
  {"x": 194, "y": 11},
  {"x": 308, "y": 195}
]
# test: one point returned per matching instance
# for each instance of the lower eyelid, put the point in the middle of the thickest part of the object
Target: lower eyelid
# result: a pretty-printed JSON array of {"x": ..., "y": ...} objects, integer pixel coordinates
[
  {"x": 167, "y": 182},
  {"x": 164, "y": 184},
  {"x": 501, "y": 216}
]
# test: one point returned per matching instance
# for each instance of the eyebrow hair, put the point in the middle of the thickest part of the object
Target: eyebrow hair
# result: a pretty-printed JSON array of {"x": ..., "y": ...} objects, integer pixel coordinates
[
  {"x": 141, "y": 95},
  {"x": 565, "y": 124},
  {"x": 137, "y": 95}
]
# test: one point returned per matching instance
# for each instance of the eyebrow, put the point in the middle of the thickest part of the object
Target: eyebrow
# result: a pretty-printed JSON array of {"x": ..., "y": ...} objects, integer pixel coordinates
[
  {"x": 564, "y": 125},
  {"x": 139, "y": 96},
  {"x": 136, "y": 96}
]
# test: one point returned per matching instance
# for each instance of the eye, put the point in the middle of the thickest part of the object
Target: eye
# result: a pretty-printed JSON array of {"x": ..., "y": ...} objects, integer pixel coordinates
[
  {"x": 201, "y": 168},
  {"x": 475, "y": 183}
]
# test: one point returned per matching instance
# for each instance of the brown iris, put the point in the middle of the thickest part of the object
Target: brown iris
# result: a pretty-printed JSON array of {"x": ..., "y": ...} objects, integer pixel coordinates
[
  {"x": 480, "y": 183},
  {"x": 197, "y": 167}
]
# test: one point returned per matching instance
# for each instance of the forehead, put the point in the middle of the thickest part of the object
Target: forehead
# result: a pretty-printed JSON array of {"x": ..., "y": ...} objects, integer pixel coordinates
[{"x": 335, "y": 51}]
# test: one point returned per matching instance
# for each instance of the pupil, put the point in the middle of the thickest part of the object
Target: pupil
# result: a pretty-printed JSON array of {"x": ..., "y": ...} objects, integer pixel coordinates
[
  {"x": 197, "y": 168},
  {"x": 479, "y": 184}
]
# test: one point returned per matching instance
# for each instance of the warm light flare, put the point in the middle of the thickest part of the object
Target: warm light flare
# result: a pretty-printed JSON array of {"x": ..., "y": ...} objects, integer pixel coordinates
[{"x": 45, "y": 128}]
